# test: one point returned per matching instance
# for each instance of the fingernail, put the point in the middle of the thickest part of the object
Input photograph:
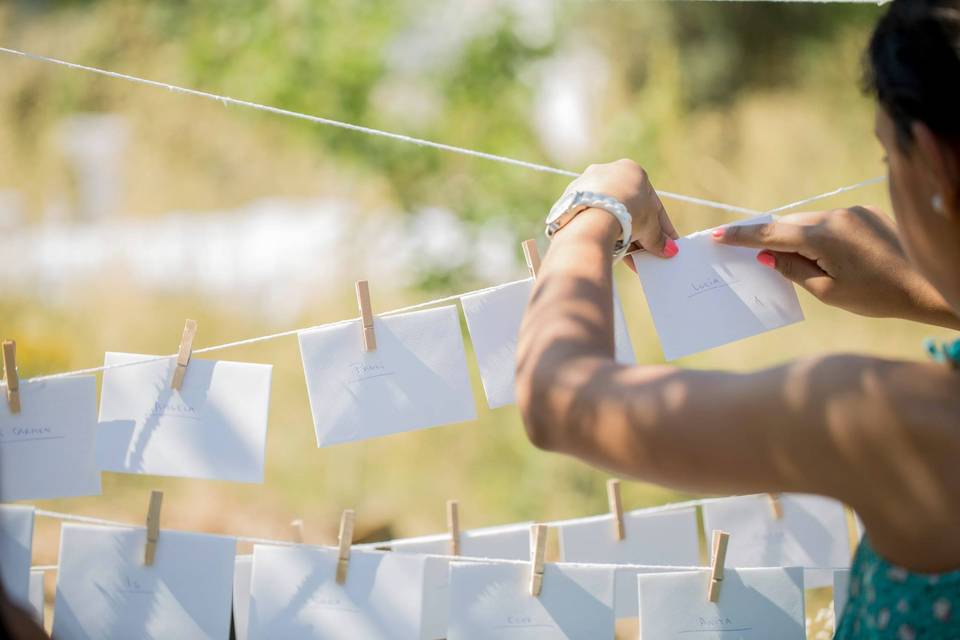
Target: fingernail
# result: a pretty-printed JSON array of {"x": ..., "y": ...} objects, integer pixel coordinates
[
  {"x": 670, "y": 248},
  {"x": 766, "y": 259},
  {"x": 717, "y": 233}
]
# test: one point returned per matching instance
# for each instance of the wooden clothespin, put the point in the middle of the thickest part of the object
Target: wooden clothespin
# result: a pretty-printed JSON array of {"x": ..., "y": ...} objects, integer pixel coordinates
[
  {"x": 366, "y": 316},
  {"x": 538, "y": 542},
  {"x": 776, "y": 506},
  {"x": 10, "y": 375},
  {"x": 183, "y": 355},
  {"x": 296, "y": 528},
  {"x": 453, "y": 525},
  {"x": 616, "y": 508},
  {"x": 344, "y": 541},
  {"x": 153, "y": 527},
  {"x": 532, "y": 255},
  {"x": 720, "y": 539}
]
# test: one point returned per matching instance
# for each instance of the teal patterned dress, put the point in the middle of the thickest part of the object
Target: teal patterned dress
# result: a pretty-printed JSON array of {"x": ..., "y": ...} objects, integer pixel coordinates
[{"x": 887, "y": 601}]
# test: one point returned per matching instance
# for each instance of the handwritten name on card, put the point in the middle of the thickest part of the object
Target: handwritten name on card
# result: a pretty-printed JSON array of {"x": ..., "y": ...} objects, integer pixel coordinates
[
  {"x": 294, "y": 594},
  {"x": 711, "y": 294},
  {"x": 416, "y": 378},
  {"x": 48, "y": 449},
  {"x": 494, "y": 318},
  {"x": 105, "y": 591},
  {"x": 754, "y": 604},
  {"x": 213, "y": 428},
  {"x": 493, "y": 601}
]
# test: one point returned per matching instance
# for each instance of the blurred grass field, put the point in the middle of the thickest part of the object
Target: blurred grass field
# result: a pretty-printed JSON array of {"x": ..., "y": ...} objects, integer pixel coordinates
[{"x": 753, "y": 105}]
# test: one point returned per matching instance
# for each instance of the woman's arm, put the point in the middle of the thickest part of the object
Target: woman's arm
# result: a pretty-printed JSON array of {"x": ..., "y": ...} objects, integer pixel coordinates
[{"x": 879, "y": 435}]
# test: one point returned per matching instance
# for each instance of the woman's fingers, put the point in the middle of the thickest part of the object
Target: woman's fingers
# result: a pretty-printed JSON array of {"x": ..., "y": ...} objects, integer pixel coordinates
[
  {"x": 656, "y": 232},
  {"x": 800, "y": 270},
  {"x": 778, "y": 236}
]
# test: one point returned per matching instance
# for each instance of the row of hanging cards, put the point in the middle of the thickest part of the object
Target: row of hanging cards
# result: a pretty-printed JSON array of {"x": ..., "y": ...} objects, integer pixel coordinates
[
  {"x": 293, "y": 593},
  {"x": 214, "y": 427}
]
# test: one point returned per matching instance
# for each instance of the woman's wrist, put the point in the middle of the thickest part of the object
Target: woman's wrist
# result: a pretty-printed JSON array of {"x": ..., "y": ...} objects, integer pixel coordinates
[{"x": 595, "y": 225}]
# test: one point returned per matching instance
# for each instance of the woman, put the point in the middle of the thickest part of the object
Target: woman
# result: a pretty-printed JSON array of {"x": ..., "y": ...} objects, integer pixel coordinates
[{"x": 881, "y": 435}]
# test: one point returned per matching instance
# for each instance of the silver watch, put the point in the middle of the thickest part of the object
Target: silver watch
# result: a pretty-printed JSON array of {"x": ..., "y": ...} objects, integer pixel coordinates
[{"x": 575, "y": 202}]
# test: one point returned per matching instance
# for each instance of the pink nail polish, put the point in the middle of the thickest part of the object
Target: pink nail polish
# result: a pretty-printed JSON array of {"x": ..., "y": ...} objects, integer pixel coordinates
[
  {"x": 766, "y": 259},
  {"x": 670, "y": 248},
  {"x": 717, "y": 233}
]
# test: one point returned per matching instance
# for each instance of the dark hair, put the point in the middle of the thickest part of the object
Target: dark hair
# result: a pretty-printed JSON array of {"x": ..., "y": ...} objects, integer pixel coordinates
[{"x": 912, "y": 66}]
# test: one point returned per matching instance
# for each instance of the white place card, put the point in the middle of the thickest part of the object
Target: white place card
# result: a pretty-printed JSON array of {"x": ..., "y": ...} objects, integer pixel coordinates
[
  {"x": 35, "y": 604},
  {"x": 294, "y": 594},
  {"x": 754, "y": 604},
  {"x": 16, "y": 550},
  {"x": 415, "y": 378},
  {"x": 48, "y": 449},
  {"x": 509, "y": 542},
  {"x": 625, "y": 586},
  {"x": 494, "y": 318},
  {"x": 242, "y": 570},
  {"x": 812, "y": 533},
  {"x": 841, "y": 588},
  {"x": 711, "y": 294},
  {"x": 493, "y": 601},
  {"x": 104, "y": 590},
  {"x": 659, "y": 538},
  {"x": 214, "y": 428}
]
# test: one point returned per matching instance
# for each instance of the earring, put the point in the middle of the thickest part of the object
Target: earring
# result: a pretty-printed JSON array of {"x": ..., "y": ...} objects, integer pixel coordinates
[{"x": 937, "y": 203}]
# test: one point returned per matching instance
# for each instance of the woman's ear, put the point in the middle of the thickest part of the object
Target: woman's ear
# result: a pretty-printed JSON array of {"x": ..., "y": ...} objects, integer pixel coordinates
[{"x": 941, "y": 160}]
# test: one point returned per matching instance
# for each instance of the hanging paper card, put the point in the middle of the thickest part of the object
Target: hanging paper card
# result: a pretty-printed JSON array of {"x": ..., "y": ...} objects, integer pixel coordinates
[
  {"x": 294, "y": 594},
  {"x": 36, "y": 596},
  {"x": 625, "y": 586},
  {"x": 48, "y": 449},
  {"x": 242, "y": 570},
  {"x": 104, "y": 590},
  {"x": 509, "y": 542},
  {"x": 711, "y": 294},
  {"x": 494, "y": 317},
  {"x": 660, "y": 538},
  {"x": 16, "y": 548},
  {"x": 415, "y": 378},
  {"x": 213, "y": 428},
  {"x": 841, "y": 587},
  {"x": 812, "y": 533},
  {"x": 493, "y": 601},
  {"x": 754, "y": 604}
]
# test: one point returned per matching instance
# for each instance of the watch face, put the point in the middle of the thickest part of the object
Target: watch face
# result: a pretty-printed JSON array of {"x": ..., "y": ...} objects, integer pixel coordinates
[{"x": 562, "y": 206}]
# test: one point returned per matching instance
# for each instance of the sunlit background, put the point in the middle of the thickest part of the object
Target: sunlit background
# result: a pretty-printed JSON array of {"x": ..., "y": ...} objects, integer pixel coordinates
[{"x": 125, "y": 209}]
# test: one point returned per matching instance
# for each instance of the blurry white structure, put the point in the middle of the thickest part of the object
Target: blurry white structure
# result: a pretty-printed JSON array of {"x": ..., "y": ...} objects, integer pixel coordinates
[
  {"x": 569, "y": 89},
  {"x": 11, "y": 209},
  {"x": 93, "y": 144},
  {"x": 278, "y": 254}
]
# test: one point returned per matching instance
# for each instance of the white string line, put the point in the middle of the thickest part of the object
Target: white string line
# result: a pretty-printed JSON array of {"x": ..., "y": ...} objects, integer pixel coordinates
[
  {"x": 823, "y": 196},
  {"x": 226, "y": 100},
  {"x": 70, "y": 517}
]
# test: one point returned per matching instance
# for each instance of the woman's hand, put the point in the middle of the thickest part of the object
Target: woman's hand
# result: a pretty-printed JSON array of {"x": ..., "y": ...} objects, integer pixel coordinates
[
  {"x": 626, "y": 181},
  {"x": 848, "y": 258}
]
